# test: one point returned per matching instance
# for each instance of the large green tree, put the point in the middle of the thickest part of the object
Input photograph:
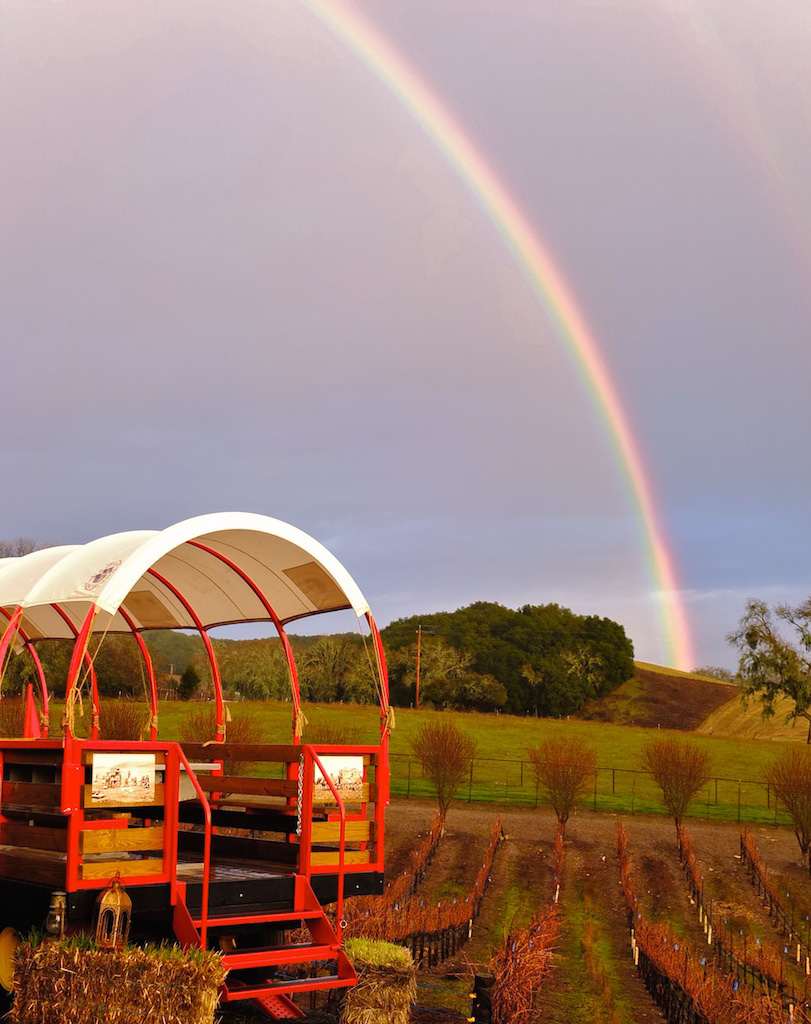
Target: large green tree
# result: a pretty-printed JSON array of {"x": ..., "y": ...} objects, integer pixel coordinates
[
  {"x": 773, "y": 666},
  {"x": 548, "y": 660}
]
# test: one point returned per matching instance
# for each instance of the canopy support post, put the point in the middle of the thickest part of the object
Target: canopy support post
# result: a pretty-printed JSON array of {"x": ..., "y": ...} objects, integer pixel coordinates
[
  {"x": 150, "y": 671},
  {"x": 215, "y": 668},
  {"x": 79, "y": 652},
  {"x": 5, "y": 642},
  {"x": 386, "y": 715},
  {"x": 94, "y": 683},
  {"x": 43, "y": 685},
  {"x": 288, "y": 650}
]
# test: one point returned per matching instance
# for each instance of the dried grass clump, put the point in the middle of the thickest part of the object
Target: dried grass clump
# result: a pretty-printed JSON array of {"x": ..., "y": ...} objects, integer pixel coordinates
[
  {"x": 242, "y": 727},
  {"x": 12, "y": 716},
  {"x": 123, "y": 719},
  {"x": 333, "y": 735},
  {"x": 74, "y": 982},
  {"x": 387, "y": 983}
]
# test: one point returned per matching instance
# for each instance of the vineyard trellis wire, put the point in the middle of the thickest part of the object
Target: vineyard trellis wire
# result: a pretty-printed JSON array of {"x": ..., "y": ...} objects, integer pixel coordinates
[
  {"x": 686, "y": 986},
  {"x": 755, "y": 966},
  {"x": 524, "y": 958},
  {"x": 763, "y": 879},
  {"x": 433, "y": 932}
]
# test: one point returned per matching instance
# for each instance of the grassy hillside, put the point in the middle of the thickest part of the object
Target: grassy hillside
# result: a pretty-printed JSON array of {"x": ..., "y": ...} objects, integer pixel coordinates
[
  {"x": 662, "y": 697},
  {"x": 502, "y": 773},
  {"x": 732, "y": 720}
]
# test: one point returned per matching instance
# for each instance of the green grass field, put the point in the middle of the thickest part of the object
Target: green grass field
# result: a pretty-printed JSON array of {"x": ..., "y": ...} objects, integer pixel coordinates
[{"x": 501, "y": 773}]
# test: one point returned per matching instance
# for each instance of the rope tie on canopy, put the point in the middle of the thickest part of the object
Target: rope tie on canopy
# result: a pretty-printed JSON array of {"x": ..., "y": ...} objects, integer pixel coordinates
[
  {"x": 69, "y": 714},
  {"x": 75, "y": 693},
  {"x": 377, "y": 676},
  {"x": 299, "y": 722},
  {"x": 221, "y": 729},
  {"x": 389, "y": 721},
  {"x": 151, "y": 720}
]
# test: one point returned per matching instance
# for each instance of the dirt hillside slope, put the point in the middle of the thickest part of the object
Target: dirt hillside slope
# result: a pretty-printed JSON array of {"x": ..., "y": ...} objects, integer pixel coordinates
[{"x": 658, "y": 696}]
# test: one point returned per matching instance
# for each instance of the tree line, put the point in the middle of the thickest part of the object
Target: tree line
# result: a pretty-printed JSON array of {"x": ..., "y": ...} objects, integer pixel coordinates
[{"x": 541, "y": 659}]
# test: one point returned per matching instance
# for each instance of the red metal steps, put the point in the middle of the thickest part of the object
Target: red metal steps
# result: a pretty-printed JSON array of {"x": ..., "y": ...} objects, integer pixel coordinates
[{"x": 255, "y": 972}]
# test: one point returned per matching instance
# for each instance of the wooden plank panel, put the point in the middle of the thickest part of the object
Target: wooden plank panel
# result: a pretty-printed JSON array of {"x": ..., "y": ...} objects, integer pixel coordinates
[
  {"x": 28, "y": 867},
  {"x": 231, "y": 784},
  {"x": 350, "y": 857},
  {"x": 33, "y": 837},
  {"x": 32, "y": 794},
  {"x": 123, "y": 840},
  {"x": 240, "y": 848},
  {"x": 107, "y": 868},
  {"x": 32, "y": 757},
  {"x": 330, "y": 831},
  {"x": 241, "y": 751},
  {"x": 88, "y": 801}
]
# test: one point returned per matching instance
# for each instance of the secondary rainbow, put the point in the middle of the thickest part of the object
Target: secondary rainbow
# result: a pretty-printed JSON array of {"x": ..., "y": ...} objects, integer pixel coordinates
[{"x": 365, "y": 41}]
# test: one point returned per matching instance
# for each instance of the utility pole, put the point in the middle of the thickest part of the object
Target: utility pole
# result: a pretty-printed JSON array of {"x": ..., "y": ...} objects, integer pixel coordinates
[{"x": 417, "y": 691}]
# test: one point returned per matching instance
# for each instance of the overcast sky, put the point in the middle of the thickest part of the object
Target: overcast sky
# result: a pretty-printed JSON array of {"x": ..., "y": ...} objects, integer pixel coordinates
[{"x": 236, "y": 274}]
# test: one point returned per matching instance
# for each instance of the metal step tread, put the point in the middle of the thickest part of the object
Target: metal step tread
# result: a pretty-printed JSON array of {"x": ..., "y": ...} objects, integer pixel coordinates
[
  {"x": 290, "y": 985},
  {"x": 272, "y": 917},
  {"x": 267, "y": 956},
  {"x": 279, "y": 1007}
]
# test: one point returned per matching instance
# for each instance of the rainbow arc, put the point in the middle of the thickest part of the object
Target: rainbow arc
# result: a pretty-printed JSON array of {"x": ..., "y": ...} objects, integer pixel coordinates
[{"x": 548, "y": 284}]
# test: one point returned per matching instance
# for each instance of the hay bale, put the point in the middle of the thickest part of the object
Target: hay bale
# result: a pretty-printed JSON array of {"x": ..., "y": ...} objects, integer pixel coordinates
[
  {"x": 74, "y": 982},
  {"x": 387, "y": 983}
]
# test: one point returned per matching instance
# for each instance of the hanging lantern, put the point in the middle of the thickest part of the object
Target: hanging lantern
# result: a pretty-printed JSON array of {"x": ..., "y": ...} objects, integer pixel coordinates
[{"x": 113, "y": 910}]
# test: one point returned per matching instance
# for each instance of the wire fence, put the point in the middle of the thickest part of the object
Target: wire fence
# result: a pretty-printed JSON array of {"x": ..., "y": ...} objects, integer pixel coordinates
[{"x": 625, "y": 790}]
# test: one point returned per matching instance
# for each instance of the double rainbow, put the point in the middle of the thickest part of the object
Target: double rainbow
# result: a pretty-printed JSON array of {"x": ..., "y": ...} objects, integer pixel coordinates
[{"x": 376, "y": 53}]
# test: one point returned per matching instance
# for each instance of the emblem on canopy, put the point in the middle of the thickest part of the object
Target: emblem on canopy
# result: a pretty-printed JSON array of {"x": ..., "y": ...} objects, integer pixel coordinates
[{"x": 101, "y": 576}]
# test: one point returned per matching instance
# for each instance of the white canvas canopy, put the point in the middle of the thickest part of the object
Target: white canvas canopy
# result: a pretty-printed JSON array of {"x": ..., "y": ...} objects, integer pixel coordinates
[{"x": 151, "y": 576}]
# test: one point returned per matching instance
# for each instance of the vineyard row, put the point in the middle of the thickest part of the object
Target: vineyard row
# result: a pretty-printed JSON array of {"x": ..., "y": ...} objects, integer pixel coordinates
[{"x": 686, "y": 987}]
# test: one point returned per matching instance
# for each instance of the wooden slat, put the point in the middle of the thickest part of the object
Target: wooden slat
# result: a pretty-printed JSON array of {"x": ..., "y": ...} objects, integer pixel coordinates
[
  {"x": 367, "y": 794},
  {"x": 240, "y": 848},
  {"x": 330, "y": 831},
  {"x": 350, "y": 857},
  {"x": 121, "y": 840},
  {"x": 28, "y": 867},
  {"x": 286, "y": 753},
  {"x": 108, "y": 868},
  {"x": 33, "y": 837},
  {"x": 88, "y": 801},
  {"x": 32, "y": 794},
  {"x": 32, "y": 757},
  {"x": 247, "y": 786}
]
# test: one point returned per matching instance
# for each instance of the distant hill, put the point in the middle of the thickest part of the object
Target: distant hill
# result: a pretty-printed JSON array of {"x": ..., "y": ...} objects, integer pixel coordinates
[
  {"x": 736, "y": 722},
  {"x": 658, "y": 696}
]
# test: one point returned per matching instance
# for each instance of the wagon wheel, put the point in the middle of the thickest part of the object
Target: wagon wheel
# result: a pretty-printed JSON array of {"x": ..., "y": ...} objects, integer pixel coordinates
[{"x": 9, "y": 940}]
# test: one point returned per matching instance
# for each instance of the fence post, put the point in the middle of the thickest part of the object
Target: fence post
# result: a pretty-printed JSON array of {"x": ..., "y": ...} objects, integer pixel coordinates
[
  {"x": 739, "y": 801},
  {"x": 470, "y": 782},
  {"x": 408, "y": 791},
  {"x": 613, "y": 780}
]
